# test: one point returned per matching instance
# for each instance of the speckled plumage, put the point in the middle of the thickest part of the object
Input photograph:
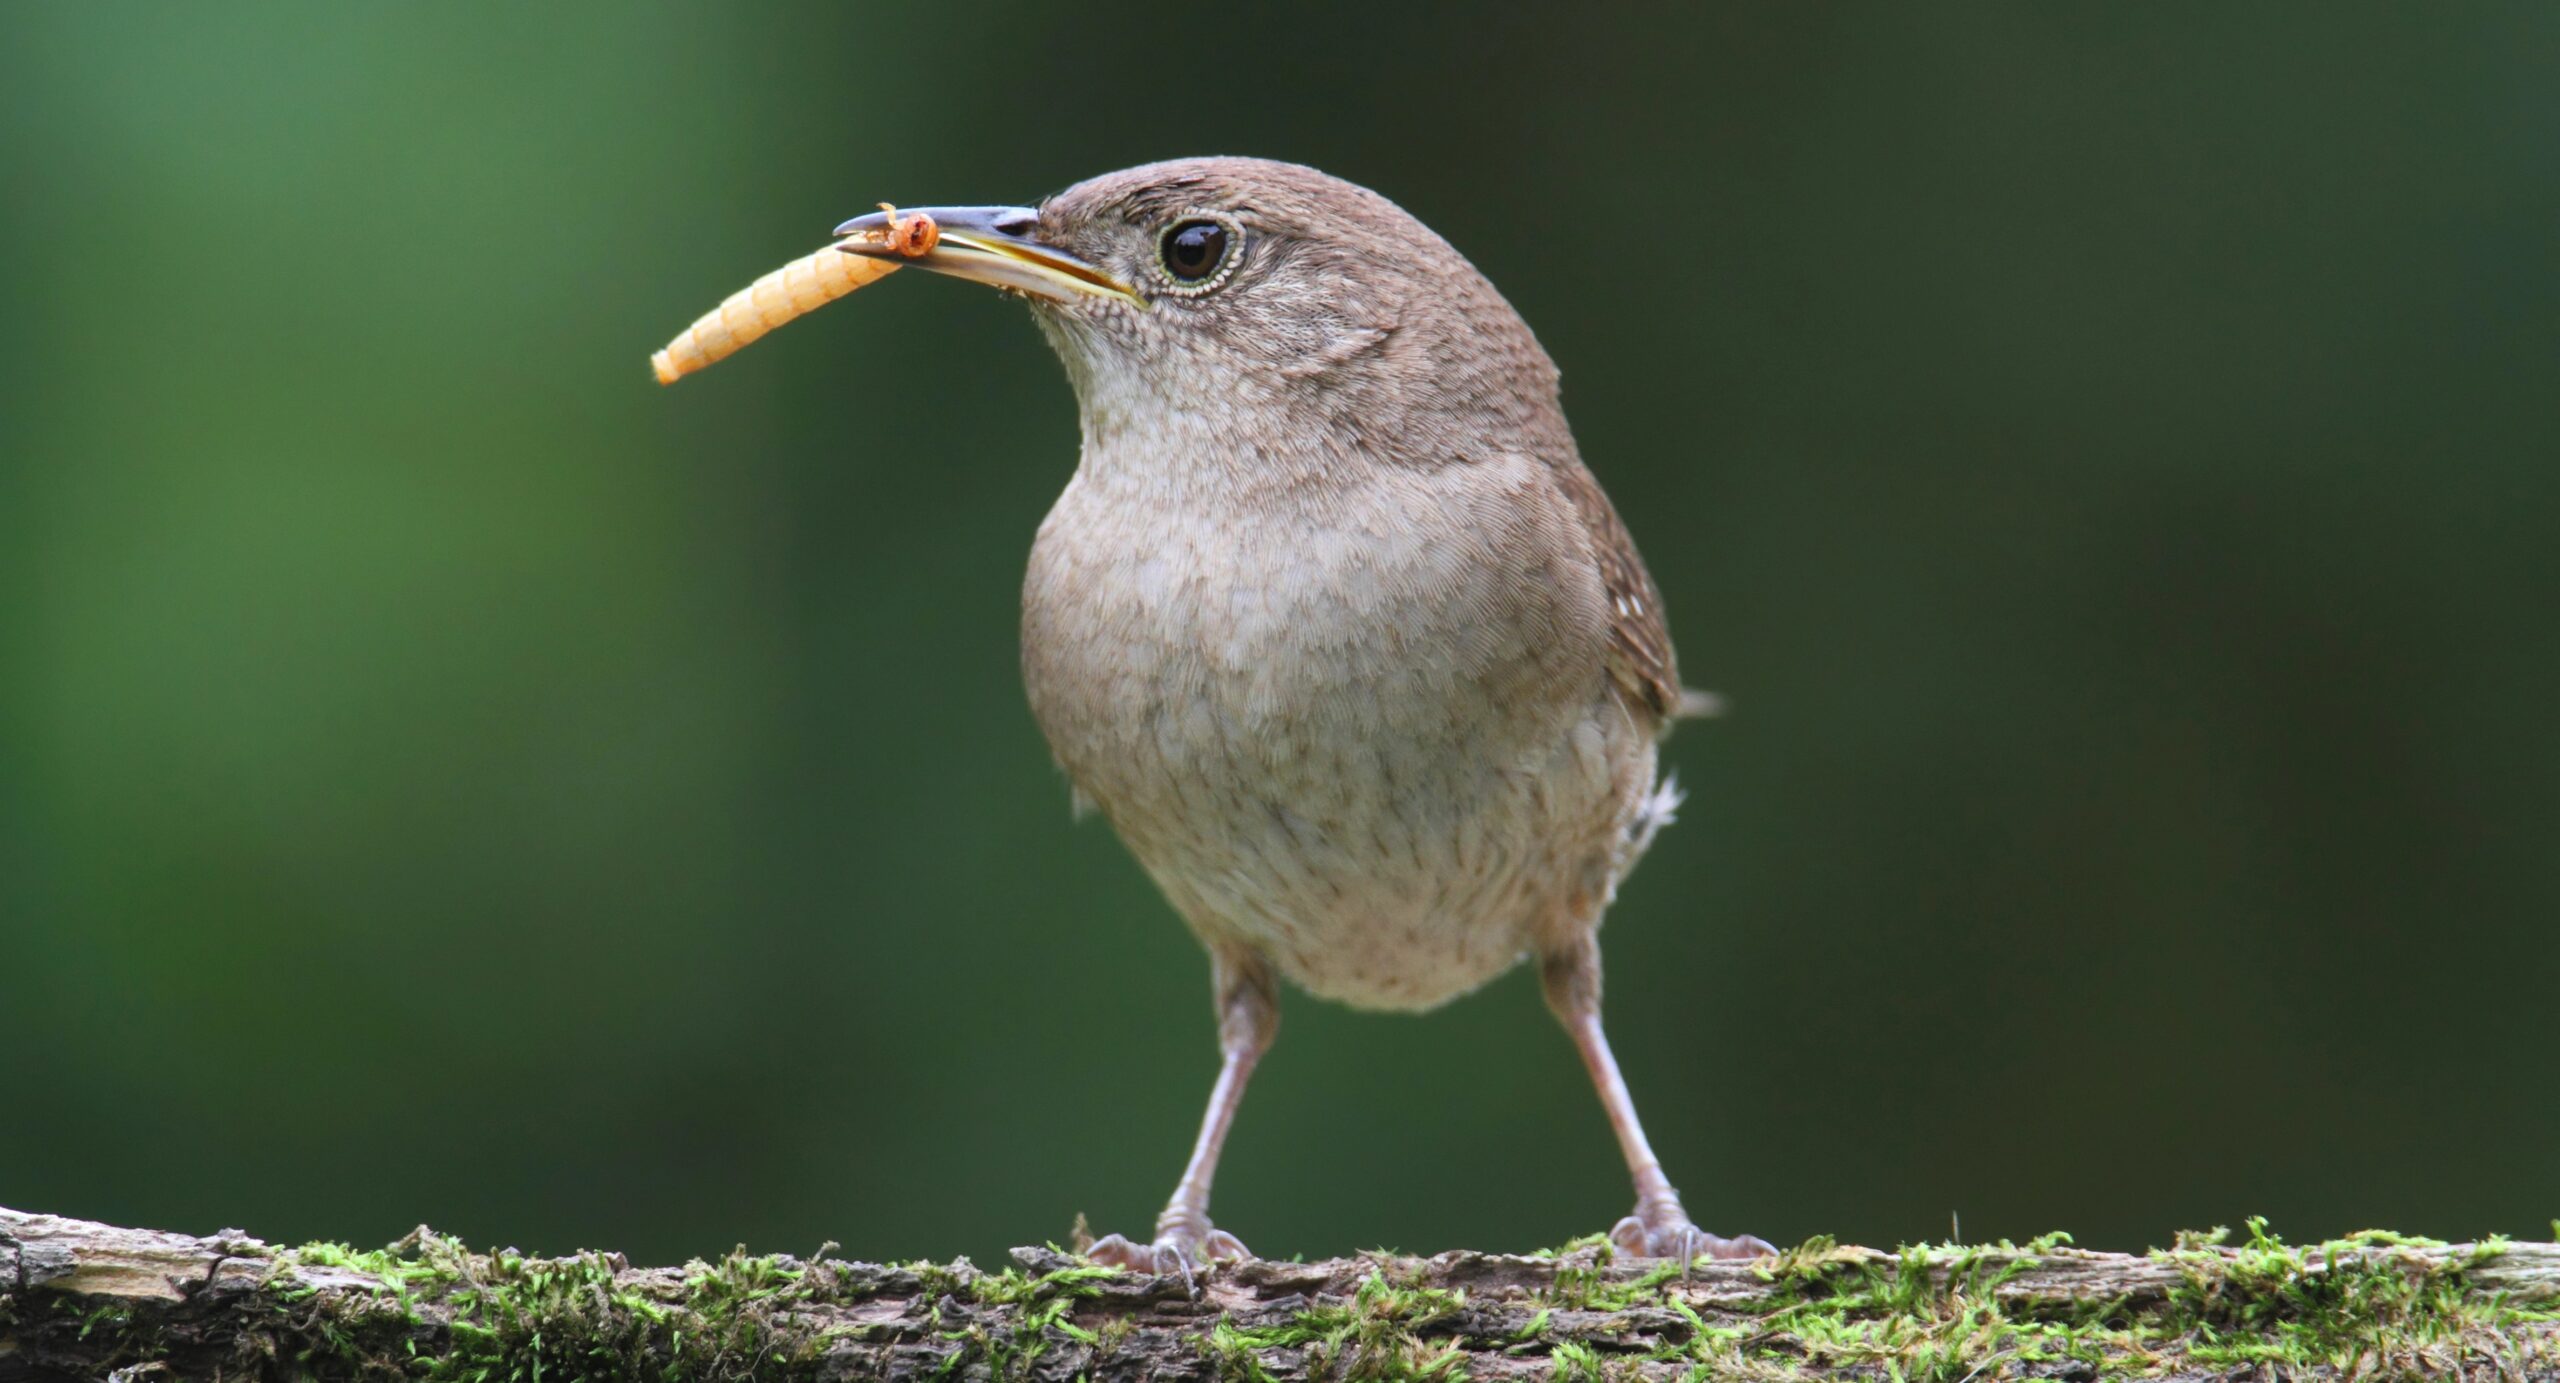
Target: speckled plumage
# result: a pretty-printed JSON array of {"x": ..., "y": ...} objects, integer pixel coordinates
[{"x": 1331, "y": 621}]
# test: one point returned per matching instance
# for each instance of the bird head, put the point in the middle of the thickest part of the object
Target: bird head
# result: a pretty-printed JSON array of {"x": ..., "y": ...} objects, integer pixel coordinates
[{"x": 1257, "y": 300}]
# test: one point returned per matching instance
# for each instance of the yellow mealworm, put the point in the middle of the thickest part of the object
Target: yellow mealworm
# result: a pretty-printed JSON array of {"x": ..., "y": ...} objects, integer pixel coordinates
[
  {"x": 800, "y": 287},
  {"x": 912, "y": 236}
]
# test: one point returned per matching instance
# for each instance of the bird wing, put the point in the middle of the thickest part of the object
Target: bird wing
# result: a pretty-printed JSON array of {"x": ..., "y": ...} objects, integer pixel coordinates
[{"x": 1641, "y": 662}]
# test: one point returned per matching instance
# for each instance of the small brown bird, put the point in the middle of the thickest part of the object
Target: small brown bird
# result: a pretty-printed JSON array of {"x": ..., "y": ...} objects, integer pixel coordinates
[{"x": 1331, "y": 622}]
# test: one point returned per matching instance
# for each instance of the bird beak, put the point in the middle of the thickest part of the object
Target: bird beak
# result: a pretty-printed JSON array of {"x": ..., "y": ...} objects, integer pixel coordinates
[{"x": 993, "y": 245}]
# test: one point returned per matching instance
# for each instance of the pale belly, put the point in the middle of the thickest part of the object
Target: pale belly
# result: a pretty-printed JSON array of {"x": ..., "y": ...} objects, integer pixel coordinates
[{"x": 1387, "y": 764}]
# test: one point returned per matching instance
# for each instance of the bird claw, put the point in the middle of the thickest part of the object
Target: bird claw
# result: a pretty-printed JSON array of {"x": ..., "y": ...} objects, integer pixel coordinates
[
  {"x": 1178, "y": 1253},
  {"x": 1664, "y": 1231}
]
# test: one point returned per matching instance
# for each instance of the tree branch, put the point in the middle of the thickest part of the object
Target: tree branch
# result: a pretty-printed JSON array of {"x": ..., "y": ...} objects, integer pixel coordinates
[{"x": 85, "y": 1300}]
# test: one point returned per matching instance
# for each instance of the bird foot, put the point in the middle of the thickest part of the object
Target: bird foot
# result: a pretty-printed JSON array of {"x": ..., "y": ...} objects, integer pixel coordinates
[
  {"x": 1178, "y": 1251},
  {"x": 1661, "y": 1229}
]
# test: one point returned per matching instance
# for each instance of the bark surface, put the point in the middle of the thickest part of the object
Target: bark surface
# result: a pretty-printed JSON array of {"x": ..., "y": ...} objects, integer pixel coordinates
[{"x": 93, "y": 1301}]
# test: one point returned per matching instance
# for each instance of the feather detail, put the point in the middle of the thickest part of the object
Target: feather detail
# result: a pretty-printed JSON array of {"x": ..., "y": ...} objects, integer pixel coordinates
[{"x": 1641, "y": 662}]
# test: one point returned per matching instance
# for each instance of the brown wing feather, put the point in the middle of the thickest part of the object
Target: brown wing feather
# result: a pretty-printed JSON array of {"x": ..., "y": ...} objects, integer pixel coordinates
[{"x": 1640, "y": 657}]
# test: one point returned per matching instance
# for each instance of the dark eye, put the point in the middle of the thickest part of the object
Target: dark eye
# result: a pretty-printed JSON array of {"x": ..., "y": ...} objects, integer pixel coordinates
[{"x": 1193, "y": 250}]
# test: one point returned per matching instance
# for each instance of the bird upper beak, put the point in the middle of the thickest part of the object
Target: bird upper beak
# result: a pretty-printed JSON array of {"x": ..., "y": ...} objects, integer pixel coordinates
[{"x": 994, "y": 245}]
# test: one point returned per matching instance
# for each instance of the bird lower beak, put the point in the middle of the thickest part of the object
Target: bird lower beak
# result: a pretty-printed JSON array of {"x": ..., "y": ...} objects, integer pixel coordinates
[{"x": 993, "y": 245}]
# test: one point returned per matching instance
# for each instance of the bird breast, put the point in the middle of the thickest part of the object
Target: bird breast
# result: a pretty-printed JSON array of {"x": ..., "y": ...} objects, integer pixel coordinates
[{"x": 1361, "y": 724}]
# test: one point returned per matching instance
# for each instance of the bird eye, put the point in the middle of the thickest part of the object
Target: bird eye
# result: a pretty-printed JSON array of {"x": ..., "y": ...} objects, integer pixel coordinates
[{"x": 1193, "y": 250}]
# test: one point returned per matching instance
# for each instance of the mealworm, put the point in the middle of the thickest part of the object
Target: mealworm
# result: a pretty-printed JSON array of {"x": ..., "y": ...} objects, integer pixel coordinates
[
  {"x": 912, "y": 236},
  {"x": 800, "y": 287}
]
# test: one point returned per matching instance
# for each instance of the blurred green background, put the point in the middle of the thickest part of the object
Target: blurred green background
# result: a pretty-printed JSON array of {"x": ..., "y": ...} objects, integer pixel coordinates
[{"x": 2106, "y": 456}]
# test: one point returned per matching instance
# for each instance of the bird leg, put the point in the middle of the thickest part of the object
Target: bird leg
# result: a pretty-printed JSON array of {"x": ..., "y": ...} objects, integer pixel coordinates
[
  {"x": 1659, "y": 1228},
  {"x": 1248, "y": 1015}
]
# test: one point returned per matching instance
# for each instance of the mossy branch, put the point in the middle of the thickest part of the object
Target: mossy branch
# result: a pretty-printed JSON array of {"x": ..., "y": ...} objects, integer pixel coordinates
[{"x": 84, "y": 1300}]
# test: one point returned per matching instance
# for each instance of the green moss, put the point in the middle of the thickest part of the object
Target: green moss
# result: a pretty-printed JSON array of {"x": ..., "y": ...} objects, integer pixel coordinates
[
  {"x": 1584, "y": 1285},
  {"x": 1013, "y": 1287},
  {"x": 1377, "y": 1335},
  {"x": 1236, "y": 1354},
  {"x": 2331, "y": 1304},
  {"x": 425, "y": 1309},
  {"x": 1935, "y": 1312},
  {"x": 1575, "y": 1363},
  {"x": 516, "y": 1319},
  {"x": 1046, "y": 1302}
]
